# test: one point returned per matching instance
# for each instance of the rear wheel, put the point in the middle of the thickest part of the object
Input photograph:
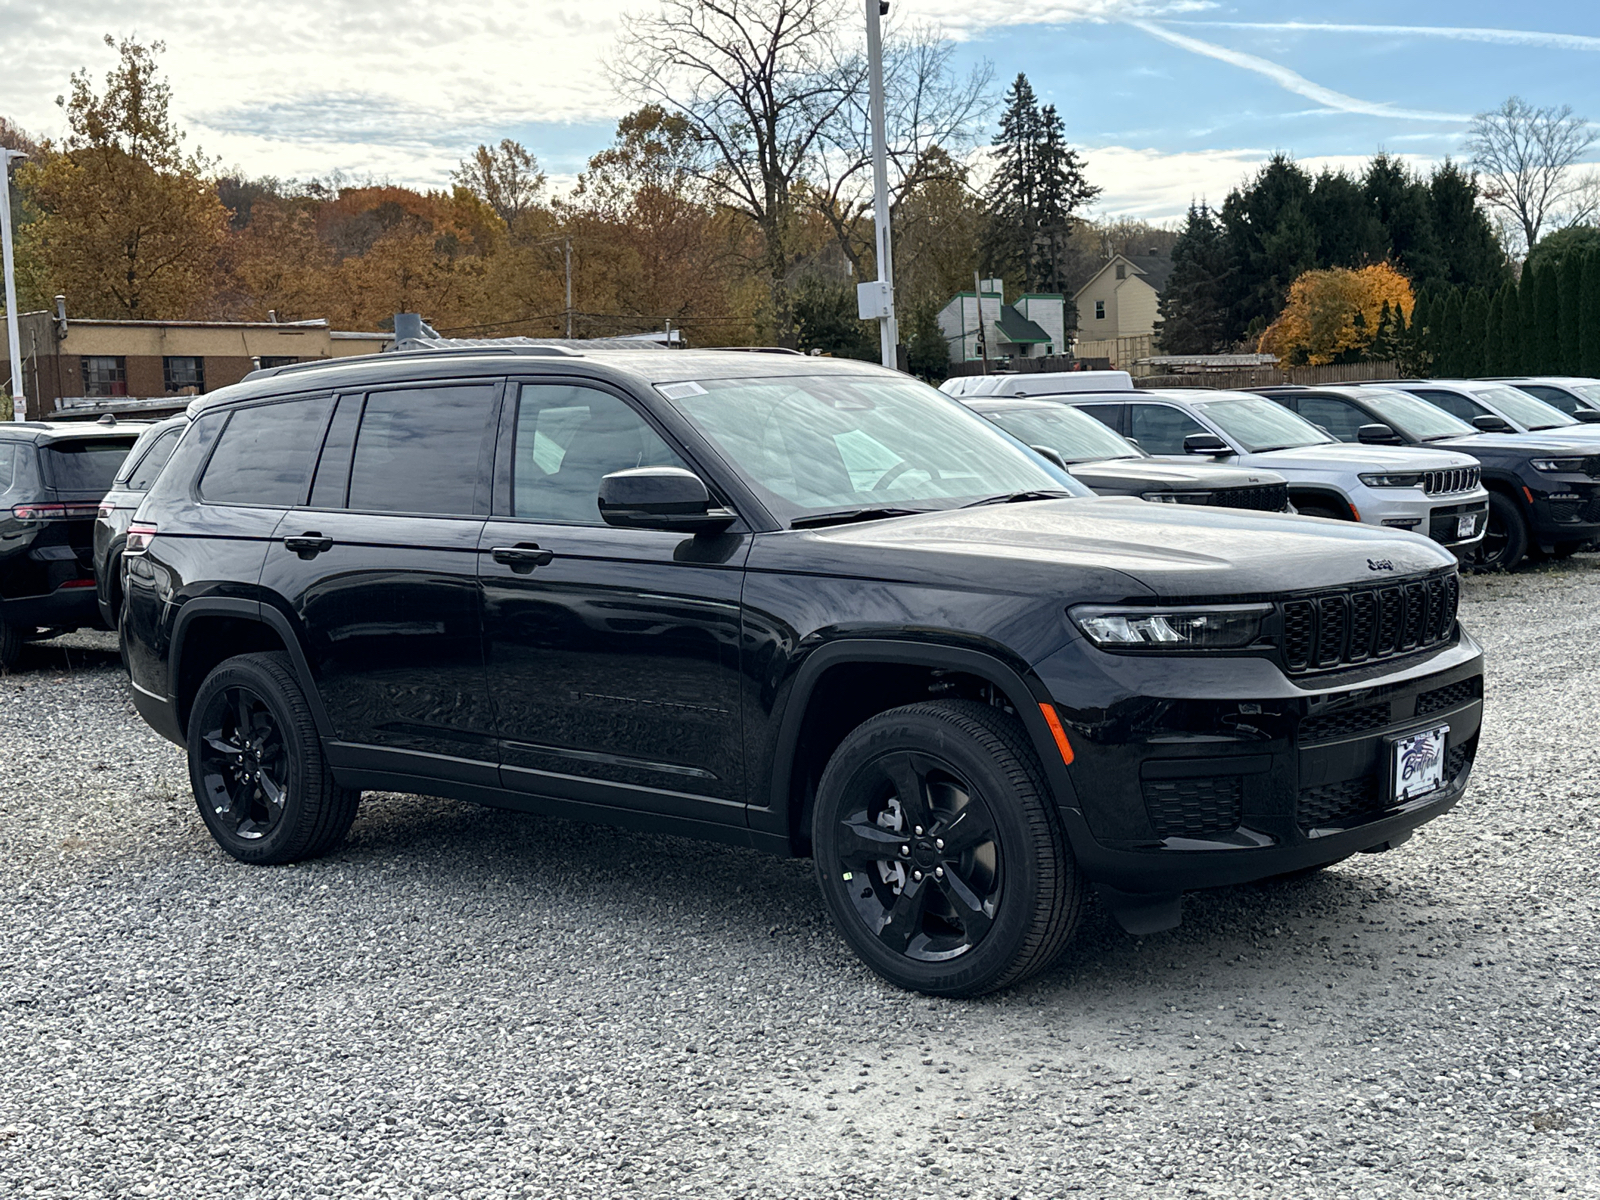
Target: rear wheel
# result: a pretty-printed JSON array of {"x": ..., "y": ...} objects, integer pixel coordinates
[
  {"x": 1505, "y": 537},
  {"x": 938, "y": 851},
  {"x": 10, "y": 646},
  {"x": 260, "y": 780}
]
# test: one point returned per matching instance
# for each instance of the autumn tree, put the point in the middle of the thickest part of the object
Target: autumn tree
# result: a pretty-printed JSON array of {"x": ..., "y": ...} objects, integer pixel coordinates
[
  {"x": 505, "y": 177},
  {"x": 127, "y": 224},
  {"x": 1333, "y": 314}
]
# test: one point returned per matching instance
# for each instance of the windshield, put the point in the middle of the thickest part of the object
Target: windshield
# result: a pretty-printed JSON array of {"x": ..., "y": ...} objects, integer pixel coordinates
[
  {"x": 1074, "y": 435},
  {"x": 1589, "y": 391},
  {"x": 1413, "y": 417},
  {"x": 812, "y": 444},
  {"x": 1523, "y": 408},
  {"x": 85, "y": 464},
  {"x": 1259, "y": 425}
]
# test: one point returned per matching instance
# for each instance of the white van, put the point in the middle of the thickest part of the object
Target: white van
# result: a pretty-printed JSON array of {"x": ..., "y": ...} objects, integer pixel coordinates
[{"x": 1038, "y": 383}]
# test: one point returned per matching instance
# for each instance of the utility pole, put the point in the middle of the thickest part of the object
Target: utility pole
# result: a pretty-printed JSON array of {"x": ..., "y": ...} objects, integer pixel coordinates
[
  {"x": 888, "y": 327},
  {"x": 568, "y": 244},
  {"x": 19, "y": 400},
  {"x": 983, "y": 337}
]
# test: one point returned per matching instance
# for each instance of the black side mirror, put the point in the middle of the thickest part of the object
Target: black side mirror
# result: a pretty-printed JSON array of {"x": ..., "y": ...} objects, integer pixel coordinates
[
  {"x": 1379, "y": 434},
  {"x": 1489, "y": 423},
  {"x": 668, "y": 498},
  {"x": 1587, "y": 416},
  {"x": 1205, "y": 443},
  {"x": 1055, "y": 457}
]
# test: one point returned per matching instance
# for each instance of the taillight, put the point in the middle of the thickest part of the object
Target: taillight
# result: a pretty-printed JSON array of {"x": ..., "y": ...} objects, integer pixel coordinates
[
  {"x": 54, "y": 512},
  {"x": 139, "y": 538}
]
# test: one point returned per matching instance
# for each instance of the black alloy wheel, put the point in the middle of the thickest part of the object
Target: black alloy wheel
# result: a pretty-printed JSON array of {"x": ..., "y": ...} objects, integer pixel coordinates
[
  {"x": 938, "y": 852},
  {"x": 260, "y": 780},
  {"x": 1505, "y": 537}
]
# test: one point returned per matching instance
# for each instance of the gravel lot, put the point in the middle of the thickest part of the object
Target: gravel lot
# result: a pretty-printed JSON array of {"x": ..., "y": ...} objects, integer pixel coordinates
[{"x": 470, "y": 1003}]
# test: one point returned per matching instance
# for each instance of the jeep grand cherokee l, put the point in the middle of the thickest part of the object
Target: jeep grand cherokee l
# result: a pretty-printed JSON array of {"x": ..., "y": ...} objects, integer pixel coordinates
[{"x": 814, "y": 607}]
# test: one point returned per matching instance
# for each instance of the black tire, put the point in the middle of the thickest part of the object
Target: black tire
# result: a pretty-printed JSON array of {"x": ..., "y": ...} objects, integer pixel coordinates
[
  {"x": 256, "y": 765},
  {"x": 1321, "y": 508},
  {"x": 10, "y": 646},
  {"x": 1505, "y": 537},
  {"x": 923, "y": 931},
  {"x": 1566, "y": 549}
]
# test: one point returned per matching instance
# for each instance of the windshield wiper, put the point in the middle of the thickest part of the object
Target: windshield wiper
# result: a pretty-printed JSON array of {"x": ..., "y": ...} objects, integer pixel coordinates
[
  {"x": 1019, "y": 497},
  {"x": 844, "y": 516}
]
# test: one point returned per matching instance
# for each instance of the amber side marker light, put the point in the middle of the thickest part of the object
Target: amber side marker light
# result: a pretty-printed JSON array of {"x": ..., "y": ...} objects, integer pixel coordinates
[{"x": 1057, "y": 732}]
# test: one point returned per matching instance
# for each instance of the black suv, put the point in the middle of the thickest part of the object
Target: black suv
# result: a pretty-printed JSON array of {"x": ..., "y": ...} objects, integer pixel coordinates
[
  {"x": 134, "y": 478},
  {"x": 811, "y": 606},
  {"x": 1544, "y": 492},
  {"x": 52, "y": 476}
]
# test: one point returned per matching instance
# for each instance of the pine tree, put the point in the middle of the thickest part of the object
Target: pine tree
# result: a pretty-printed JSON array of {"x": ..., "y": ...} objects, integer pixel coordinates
[
  {"x": 1474, "y": 323},
  {"x": 1500, "y": 342},
  {"x": 1527, "y": 326},
  {"x": 1446, "y": 340},
  {"x": 1193, "y": 311},
  {"x": 1493, "y": 341},
  {"x": 1589, "y": 316},
  {"x": 1472, "y": 253},
  {"x": 1547, "y": 323},
  {"x": 1569, "y": 299},
  {"x": 1418, "y": 359}
]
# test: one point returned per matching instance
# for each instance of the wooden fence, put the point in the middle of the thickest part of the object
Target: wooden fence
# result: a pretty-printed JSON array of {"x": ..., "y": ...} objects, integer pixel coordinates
[{"x": 1267, "y": 376}]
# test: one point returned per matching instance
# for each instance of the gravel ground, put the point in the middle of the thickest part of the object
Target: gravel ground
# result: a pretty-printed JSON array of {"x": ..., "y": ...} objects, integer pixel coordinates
[{"x": 470, "y": 1003}]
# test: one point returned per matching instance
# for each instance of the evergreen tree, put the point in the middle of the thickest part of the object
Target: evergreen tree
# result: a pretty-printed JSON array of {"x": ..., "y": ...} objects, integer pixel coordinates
[
  {"x": 1348, "y": 233},
  {"x": 1474, "y": 325},
  {"x": 1472, "y": 255},
  {"x": 1404, "y": 208},
  {"x": 1418, "y": 356},
  {"x": 1193, "y": 310},
  {"x": 1037, "y": 187},
  {"x": 1447, "y": 335},
  {"x": 1547, "y": 323},
  {"x": 1569, "y": 299},
  {"x": 1527, "y": 326},
  {"x": 927, "y": 349},
  {"x": 1271, "y": 242},
  {"x": 1589, "y": 316},
  {"x": 1496, "y": 348}
]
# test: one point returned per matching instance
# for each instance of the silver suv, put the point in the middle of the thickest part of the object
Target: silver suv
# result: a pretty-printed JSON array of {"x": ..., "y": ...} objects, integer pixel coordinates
[{"x": 1433, "y": 492}]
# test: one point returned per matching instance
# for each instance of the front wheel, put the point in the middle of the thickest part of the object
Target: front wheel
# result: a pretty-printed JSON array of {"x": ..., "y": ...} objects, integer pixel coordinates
[
  {"x": 255, "y": 762},
  {"x": 1505, "y": 537},
  {"x": 938, "y": 851}
]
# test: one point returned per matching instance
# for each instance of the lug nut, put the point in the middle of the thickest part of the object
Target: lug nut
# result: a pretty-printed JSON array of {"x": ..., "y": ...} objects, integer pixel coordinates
[
  {"x": 938, "y": 843},
  {"x": 916, "y": 874},
  {"x": 919, "y": 830},
  {"x": 905, "y": 851}
]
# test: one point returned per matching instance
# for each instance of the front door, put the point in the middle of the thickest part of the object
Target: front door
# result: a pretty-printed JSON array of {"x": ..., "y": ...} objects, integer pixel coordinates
[
  {"x": 380, "y": 567},
  {"x": 612, "y": 653}
]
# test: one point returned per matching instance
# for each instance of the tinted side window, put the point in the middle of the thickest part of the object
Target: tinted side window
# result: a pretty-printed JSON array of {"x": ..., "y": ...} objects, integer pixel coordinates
[
  {"x": 1159, "y": 429},
  {"x": 1109, "y": 415},
  {"x": 1338, "y": 417},
  {"x": 264, "y": 455},
  {"x": 567, "y": 439},
  {"x": 418, "y": 450},
  {"x": 8, "y": 465},
  {"x": 144, "y": 474},
  {"x": 1456, "y": 406},
  {"x": 1555, "y": 397}
]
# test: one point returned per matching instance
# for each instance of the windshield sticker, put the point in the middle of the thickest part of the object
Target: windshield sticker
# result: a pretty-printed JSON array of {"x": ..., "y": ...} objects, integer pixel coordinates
[{"x": 680, "y": 391}]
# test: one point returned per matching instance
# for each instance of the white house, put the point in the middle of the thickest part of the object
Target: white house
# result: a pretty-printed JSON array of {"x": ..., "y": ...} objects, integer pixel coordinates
[
  {"x": 1032, "y": 327},
  {"x": 1120, "y": 299}
]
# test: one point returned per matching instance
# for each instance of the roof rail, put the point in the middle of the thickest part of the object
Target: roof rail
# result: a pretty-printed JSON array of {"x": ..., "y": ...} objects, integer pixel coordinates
[
  {"x": 416, "y": 352},
  {"x": 758, "y": 349}
]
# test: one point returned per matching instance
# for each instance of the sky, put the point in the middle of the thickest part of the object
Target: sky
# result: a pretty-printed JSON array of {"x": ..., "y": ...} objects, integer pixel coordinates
[{"x": 1169, "y": 100}]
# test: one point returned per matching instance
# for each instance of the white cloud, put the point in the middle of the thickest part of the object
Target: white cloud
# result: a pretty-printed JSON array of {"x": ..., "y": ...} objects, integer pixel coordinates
[
  {"x": 1290, "y": 80},
  {"x": 1497, "y": 37}
]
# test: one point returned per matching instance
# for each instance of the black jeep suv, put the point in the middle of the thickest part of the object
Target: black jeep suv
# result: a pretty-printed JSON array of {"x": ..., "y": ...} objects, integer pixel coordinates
[
  {"x": 809, "y": 606},
  {"x": 52, "y": 476}
]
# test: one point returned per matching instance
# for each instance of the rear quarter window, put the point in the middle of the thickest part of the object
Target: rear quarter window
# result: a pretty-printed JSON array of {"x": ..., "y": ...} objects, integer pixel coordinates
[{"x": 265, "y": 454}]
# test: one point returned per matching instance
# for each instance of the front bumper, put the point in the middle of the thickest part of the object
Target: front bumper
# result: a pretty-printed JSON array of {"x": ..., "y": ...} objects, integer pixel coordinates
[
  {"x": 1564, "y": 508},
  {"x": 1436, "y": 517},
  {"x": 1194, "y": 773}
]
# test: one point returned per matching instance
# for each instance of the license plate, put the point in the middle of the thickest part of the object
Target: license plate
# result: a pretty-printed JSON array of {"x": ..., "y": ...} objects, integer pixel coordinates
[
  {"x": 1465, "y": 525},
  {"x": 1419, "y": 763}
]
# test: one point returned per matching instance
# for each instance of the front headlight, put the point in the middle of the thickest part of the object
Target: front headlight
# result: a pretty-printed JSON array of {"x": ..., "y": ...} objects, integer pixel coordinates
[
  {"x": 1554, "y": 465},
  {"x": 1222, "y": 627},
  {"x": 1179, "y": 497},
  {"x": 1403, "y": 479}
]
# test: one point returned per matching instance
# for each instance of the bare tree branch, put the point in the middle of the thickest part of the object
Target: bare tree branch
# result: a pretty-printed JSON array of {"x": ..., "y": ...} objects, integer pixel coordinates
[{"x": 1528, "y": 158}]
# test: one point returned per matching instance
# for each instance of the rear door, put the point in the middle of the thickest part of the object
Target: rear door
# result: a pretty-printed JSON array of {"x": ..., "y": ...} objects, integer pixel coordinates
[
  {"x": 377, "y": 566},
  {"x": 612, "y": 653}
]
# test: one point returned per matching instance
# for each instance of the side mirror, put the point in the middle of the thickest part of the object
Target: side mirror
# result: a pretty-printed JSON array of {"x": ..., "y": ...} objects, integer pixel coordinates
[
  {"x": 1054, "y": 456},
  {"x": 667, "y": 498},
  {"x": 1379, "y": 434},
  {"x": 1489, "y": 423},
  {"x": 1587, "y": 416},
  {"x": 1205, "y": 443}
]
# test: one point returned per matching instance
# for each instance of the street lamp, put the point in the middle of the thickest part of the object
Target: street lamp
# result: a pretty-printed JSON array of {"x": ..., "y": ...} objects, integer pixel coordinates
[
  {"x": 876, "y": 299},
  {"x": 13, "y": 338}
]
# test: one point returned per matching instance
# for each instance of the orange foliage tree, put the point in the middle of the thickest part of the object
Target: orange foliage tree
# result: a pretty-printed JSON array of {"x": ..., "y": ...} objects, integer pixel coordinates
[{"x": 1333, "y": 315}]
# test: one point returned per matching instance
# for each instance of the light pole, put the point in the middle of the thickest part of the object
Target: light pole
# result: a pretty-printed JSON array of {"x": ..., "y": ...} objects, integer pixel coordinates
[
  {"x": 888, "y": 328},
  {"x": 13, "y": 338}
]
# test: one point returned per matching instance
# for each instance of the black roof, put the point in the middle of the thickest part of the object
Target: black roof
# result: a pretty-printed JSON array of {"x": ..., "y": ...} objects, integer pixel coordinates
[{"x": 1157, "y": 268}]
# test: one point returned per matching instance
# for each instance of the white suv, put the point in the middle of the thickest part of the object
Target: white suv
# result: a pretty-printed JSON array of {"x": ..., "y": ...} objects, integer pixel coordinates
[
  {"x": 1433, "y": 492},
  {"x": 1496, "y": 407}
]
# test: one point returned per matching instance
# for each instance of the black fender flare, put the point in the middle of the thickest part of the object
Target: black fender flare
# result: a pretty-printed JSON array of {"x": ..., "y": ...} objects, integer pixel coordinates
[
  {"x": 262, "y": 614},
  {"x": 1312, "y": 491},
  {"x": 1018, "y": 682}
]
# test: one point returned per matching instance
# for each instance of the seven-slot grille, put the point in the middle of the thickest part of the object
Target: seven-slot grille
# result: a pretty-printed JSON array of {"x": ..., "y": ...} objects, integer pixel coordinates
[
  {"x": 1457, "y": 479},
  {"x": 1342, "y": 628},
  {"x": 1267, "y": 497}
]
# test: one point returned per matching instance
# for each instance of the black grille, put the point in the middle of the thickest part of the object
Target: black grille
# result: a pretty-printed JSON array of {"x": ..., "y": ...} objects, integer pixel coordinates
[
  {"x": 1339, "y": 628},
  {"x": 1591, "y": 466},
  {"x": 1591, "y": 511},
  {"x": 1337, "y": 802},
  {"x": 1450, "y": 697},
  {"x": 1458, "y": 479},
  {"x": 1269, "y": 497},
  {"x": 1196, "y": 807},
  {"x": 1343, "y": 723},
  {"x": 1458, "y": 760},
  {"x": 1565, "y": 510}
]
